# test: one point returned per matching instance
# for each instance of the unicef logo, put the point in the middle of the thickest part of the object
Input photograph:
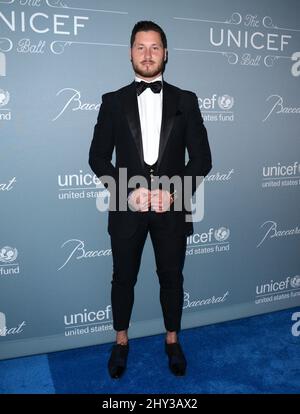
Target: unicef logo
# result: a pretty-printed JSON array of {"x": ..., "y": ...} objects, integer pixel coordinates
[
  {"x": 222, "y": 234},
  {"x": 8, "y": 254},
  {"x": 4, "y": 97},
  {"x": 295, "y": 282},
  {"x": 225, "y": 102}
]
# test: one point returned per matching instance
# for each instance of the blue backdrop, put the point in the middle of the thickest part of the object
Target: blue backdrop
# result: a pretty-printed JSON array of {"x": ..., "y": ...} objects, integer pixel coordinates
[{"x": 57, "y": 57}]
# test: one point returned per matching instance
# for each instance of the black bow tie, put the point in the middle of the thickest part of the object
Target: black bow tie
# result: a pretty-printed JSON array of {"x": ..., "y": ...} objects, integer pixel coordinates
[{"x": 141, "y": 86}]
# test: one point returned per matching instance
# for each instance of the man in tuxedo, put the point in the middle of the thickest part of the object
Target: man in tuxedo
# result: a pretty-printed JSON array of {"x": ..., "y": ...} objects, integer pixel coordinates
[{"x": 150, "y": 124}]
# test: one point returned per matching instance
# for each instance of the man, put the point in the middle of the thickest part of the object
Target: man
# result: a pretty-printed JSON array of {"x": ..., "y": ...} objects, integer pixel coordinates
[{"x": 150, "y": 124}]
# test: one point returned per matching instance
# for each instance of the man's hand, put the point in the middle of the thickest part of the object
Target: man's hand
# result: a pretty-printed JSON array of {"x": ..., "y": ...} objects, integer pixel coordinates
[
  {"x": 140, "y": 199},
  {"x": 160, "y": 200}
]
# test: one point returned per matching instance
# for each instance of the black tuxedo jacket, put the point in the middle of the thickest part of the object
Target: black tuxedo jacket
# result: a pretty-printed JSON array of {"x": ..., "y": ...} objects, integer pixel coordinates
[{"x": 118, "y": 128}]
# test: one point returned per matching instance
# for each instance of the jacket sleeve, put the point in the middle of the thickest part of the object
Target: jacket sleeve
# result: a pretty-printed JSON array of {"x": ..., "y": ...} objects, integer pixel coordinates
[
  {"x": 197, "y": 144},
  {"x": 102, "y": 146}
]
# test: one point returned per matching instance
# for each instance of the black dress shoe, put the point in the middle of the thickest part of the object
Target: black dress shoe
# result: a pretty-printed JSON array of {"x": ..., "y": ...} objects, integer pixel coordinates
[
  {"x": 118, "y": 360},
  {"x": 177, "y": 361}
]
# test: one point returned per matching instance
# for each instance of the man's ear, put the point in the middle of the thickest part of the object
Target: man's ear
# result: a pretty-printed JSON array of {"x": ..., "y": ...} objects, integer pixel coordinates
[{"x": 166, "y": 55}]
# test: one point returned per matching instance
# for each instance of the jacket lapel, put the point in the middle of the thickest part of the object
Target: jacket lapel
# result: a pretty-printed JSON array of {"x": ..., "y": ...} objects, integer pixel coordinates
[
  {"x": 131, "y": 110},
  {"x": 170, "y": 103}
]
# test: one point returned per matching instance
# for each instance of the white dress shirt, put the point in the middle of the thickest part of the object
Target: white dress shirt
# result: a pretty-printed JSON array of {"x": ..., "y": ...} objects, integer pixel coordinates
[{"x": 150, "y": 111}]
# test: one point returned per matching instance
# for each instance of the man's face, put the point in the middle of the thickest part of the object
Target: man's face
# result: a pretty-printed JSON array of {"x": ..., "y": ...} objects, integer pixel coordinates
[{"x": 148, "y": 55}]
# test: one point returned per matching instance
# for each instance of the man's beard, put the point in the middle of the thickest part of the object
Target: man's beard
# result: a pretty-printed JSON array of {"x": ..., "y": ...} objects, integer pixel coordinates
[{"x": 151, "y": 73}]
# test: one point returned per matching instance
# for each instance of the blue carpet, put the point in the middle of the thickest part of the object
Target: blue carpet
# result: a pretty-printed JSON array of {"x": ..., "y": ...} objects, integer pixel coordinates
[
  {"x": 26, "y": 375},
  {"x": 252, "y": 355}
]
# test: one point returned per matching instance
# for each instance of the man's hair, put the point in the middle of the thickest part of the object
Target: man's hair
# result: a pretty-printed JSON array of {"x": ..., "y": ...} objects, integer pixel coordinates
[{"x": 146, "y": 26}]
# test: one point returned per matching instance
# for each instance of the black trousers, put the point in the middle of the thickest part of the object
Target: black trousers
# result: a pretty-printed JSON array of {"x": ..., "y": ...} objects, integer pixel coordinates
[{"x": 169, "y": 253}]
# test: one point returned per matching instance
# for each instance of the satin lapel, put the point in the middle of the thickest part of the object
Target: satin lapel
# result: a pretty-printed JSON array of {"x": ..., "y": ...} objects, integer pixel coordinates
[
  {"x": 131, "y": 110},
  {"x": 170, "y": 103}
]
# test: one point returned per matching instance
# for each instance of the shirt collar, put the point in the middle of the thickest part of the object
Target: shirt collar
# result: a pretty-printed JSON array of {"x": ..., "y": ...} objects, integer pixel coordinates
[{"x": 159, "y": 78}]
